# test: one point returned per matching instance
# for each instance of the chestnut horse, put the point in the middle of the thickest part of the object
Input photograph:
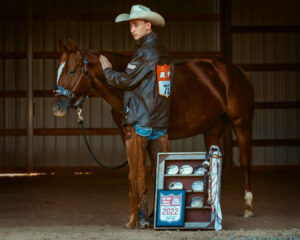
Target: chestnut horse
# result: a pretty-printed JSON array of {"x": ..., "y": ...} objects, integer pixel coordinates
[{"x": 207, "y": 94}]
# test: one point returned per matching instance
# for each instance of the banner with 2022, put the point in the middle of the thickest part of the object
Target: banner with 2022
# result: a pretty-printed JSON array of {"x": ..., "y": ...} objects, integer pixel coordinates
[{"x": 171, "y": 208}]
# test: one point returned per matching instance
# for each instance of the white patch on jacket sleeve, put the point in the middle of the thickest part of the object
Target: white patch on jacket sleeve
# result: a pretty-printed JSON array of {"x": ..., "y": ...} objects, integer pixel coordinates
[
  {"x": 131, "y": 66},
  {"x": 59, "y": 71}
]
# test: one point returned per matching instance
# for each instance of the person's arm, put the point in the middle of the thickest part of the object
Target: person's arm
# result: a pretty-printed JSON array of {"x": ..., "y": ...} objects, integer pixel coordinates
[{"x": 136, "y": 70}]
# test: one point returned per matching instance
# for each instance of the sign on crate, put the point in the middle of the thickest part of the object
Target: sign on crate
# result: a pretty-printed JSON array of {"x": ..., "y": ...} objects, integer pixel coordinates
[{"x": 171, "y": 207}]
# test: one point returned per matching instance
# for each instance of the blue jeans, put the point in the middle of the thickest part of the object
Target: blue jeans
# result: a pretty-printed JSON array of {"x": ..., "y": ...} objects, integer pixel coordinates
[{"x": 149, "y": 132}]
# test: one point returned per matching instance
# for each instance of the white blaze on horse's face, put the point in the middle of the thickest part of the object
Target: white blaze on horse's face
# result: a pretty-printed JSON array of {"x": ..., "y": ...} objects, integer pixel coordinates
[{"x": 59, "y": 71}]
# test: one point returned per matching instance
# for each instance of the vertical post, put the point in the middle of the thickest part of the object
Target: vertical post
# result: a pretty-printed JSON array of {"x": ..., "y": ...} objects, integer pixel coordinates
[
  {"x": 225, "y": 24},
  {"x": 29, "y": 88}
]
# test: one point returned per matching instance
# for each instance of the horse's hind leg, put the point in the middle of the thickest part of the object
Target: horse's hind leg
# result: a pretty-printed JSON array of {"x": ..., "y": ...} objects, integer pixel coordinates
[
  {"x": 213, "y": 134},
  {"x": 155, "y": 146},
  {"x": 243, "y": 135}
]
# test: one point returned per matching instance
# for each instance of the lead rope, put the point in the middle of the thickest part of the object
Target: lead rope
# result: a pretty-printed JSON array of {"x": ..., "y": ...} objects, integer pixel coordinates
[{"x": 80, "y": 122}]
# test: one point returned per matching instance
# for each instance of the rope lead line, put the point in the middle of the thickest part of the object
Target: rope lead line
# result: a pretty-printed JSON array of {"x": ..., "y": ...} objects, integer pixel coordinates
[{"x": 80, "y": 121}]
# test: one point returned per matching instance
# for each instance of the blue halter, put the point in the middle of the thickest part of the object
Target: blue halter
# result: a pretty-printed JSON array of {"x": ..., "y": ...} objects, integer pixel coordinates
[{"x": 60, "y": 91}]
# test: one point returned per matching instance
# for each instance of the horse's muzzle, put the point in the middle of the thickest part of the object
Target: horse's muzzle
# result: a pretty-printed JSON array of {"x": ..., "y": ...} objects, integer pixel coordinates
[
  {"x": 58, "y": 112},
  {"x": 60, "y": 107}
]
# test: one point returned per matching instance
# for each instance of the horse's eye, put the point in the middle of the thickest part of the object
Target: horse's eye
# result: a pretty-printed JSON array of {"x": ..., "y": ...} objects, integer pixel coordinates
[{"x": 72, "y": 71}]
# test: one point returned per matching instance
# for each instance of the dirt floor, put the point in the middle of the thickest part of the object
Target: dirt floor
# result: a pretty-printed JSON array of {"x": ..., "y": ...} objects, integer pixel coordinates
[{"x": 95, "y": 206}]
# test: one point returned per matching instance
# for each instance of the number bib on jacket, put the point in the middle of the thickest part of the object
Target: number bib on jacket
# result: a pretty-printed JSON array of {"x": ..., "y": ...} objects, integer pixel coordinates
[{"x": 164, "y": 79}]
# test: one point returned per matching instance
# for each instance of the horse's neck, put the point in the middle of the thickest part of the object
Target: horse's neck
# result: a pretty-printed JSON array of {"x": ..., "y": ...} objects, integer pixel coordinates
[
  {"x": 119, "y": 61},
  {"x": 113, "y": 96}
]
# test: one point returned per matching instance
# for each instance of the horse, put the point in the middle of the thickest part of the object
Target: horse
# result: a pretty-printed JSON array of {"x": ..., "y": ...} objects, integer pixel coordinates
[{"x": 207, "y": 95}]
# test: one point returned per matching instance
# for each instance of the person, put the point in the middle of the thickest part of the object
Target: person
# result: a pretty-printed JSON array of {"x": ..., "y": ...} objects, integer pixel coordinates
[{"x": 146, "y": 103}]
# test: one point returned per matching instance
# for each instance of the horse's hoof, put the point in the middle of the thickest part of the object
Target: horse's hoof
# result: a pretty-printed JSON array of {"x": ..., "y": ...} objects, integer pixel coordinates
[
  {"x": 248, "y": 213},
  {"x": 133, "y": 223},
  {"x": 130, "y": 225}
]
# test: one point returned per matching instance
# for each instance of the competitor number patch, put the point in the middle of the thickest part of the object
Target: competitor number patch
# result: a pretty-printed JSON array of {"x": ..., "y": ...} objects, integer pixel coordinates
[{"x": 164, "y": 79}]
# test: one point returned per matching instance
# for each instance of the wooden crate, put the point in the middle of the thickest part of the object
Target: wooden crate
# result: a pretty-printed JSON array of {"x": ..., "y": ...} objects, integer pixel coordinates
[{"x": 195, "y": 218}]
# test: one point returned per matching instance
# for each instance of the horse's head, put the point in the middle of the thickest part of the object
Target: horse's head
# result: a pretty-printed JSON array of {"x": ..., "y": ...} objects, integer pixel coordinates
[{"x": 73, "y": 83}]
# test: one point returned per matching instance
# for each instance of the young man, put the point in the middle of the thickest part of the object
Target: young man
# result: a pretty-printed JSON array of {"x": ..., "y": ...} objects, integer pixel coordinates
[{"x": 147, "y": 87}]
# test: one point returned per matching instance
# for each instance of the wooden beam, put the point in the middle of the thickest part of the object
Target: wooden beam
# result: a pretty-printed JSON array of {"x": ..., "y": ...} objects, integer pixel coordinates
[
  {"x": 106, "y": 17},
  {"x": 225, "y": 46},
  {"x": 195, "y": 54},
  {"x": 36, "y": 55},
  {"x": 277, "y": 105},
  {"x": 13, "y": 55},
  {"x": 179, "y": 55},
  {"x": 192, "y": 17},
  {"x": 273, "y": 142},
  {"x": 23, "y": 93},
  {"x": 74, "y": 170},
  {"x": 13, "y": 17},
  {"x": 225, "y": 24},
  {"x": 56, "y": 55},
  {"x": 271, "y": 67},
  {"x": 62, "y": 132},
  {"x": 116, "y": 132},
  {"x": 123, "y": 172},
  {"x": 265, "y": 29},
  {"x": 30, "y": 134},
  {"x": 36, "y": 93},
  {"x": 49, "y": 93}
]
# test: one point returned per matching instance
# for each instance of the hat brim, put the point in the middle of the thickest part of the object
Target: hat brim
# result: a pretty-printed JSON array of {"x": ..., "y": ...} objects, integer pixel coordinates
[{"x": 153, "y": 17}]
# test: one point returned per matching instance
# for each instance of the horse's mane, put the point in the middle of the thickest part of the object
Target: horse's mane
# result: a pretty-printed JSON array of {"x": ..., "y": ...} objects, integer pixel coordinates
[
  {"x": 119, "y": 60},
  {"x": 98, "y": 53}
]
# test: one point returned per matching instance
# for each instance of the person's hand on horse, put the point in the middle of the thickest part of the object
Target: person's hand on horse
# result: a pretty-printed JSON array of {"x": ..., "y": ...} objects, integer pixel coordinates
[{"x": 105, "y": 62}]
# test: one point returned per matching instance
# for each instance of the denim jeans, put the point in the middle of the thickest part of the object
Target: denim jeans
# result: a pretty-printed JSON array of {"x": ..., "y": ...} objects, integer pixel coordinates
[{"x": 149, "y": 132}]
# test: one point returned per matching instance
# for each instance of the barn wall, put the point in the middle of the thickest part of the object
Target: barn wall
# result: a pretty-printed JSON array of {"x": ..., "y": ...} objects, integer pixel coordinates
[
  {"x": 105, "y": 35},
  {"x": 270, "y": 86},
  {"x": 177, "y": 36}
]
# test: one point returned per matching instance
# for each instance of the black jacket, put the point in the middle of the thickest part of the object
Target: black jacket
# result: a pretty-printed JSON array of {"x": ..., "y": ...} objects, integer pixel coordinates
[{"x": 143, "y": 103}]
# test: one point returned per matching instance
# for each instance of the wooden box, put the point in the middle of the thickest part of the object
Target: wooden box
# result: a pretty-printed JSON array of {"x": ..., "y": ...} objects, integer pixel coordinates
[{"x": 195, "y": 217}]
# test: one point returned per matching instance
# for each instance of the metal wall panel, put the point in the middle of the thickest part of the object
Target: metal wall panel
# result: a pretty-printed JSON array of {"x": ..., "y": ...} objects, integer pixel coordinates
[
  {"x": 266, "y": 48},
  {"x": 276, "y": 86},
  {"x": 270, "y": 86},
  {"x": 266, "y": 12},
  {"x": 272, "y": 156},
  {"x": 105, "y": 35},
  {"x": 177, "y": 36}
]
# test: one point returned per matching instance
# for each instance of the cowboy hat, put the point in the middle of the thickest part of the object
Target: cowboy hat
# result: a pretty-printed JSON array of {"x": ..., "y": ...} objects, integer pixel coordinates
[{"x": 144, "y": 13}]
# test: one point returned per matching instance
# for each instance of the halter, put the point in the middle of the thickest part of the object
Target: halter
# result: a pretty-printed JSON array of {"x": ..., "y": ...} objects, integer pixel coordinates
[{"x": 60, "y": 91}]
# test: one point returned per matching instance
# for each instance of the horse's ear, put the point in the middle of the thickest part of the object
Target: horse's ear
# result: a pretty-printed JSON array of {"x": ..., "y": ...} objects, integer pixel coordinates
[
  {"x": 72, "y": 45},
  {"x": 62, "y": 47}
]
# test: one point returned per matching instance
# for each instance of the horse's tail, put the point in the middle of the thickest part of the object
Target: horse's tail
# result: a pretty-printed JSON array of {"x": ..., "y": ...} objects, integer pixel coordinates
[
  {"x": 250, "y": 89},
  {"x": 238, "y": 86}
]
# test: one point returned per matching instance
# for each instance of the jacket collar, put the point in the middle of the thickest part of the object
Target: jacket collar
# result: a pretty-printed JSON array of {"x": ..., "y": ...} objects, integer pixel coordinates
[{"x": 150, "y": 37}]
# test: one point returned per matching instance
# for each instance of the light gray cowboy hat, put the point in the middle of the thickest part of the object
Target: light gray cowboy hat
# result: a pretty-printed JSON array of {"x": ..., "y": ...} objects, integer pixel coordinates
[{"x": 144, "y": 13}]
